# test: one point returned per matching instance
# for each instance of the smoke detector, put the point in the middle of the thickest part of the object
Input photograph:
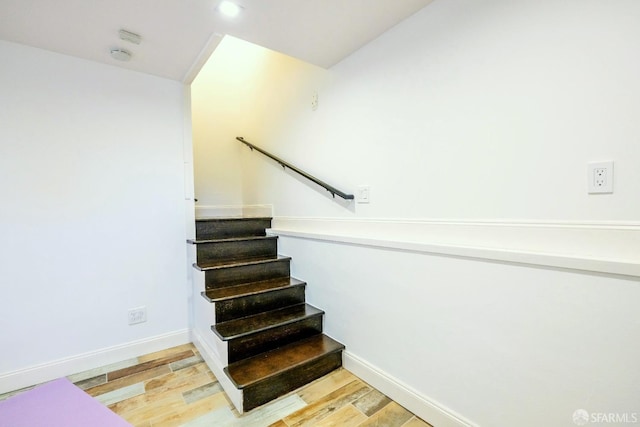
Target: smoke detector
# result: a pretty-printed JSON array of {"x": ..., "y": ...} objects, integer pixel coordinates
[{"x": 129, "y": 36}]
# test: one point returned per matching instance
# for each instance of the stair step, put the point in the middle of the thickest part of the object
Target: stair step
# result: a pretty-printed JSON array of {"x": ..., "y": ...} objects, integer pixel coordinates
[
  {"x": 235, "y": 273},
  {"x": 271, "y": 339},
  {"x": 252, "y": 298},
  {"x": 228, "y": 239},
  {"x": 242, "y": 327},
  {"x": 249, "y": 289},
  {"x": 269, "y": 375},
  {"x": 249, "y": 336},
  {"x": 254, "y": 370},
  {"x": 222, "y": 228},
  {"x": 217, "y": 252}
]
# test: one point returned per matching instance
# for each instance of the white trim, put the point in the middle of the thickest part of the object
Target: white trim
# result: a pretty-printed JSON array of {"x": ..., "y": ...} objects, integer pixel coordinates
[
  {"x": 481, "y": 221},
  {"x": 259, "y": 211},
  {"x": 427, "y": 409},
  {"x": 233, "y": 211},
  {"x": 215, "y": 211},
  {"x": 82, "y": 362},
  {"x": 202, "y": 58},
  {"x": 605, "y": 247},
  {"x": 211, "y": 358}
]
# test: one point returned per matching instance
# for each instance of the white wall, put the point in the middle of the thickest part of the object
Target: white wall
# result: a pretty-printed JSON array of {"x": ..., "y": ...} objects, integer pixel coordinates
[
  {"x": 243, "y": 90},
  {"x": 495, "y": 344},
  {"x": 471, "y": 110},
  {"x": 482, "y": 114},
  {"x": 92, "y": 218}
]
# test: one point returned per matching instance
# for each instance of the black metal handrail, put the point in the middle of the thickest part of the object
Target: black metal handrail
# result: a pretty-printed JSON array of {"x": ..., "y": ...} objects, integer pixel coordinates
[{"x": 334, "y": 191}]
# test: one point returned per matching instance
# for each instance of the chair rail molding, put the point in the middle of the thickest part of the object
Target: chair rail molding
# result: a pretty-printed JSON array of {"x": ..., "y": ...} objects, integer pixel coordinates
[{"x": 609, "y": 247}]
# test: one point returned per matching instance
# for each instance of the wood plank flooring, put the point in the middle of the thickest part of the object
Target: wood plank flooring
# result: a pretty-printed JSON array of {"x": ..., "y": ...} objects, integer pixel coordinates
[{"x": 175, "y": 388}]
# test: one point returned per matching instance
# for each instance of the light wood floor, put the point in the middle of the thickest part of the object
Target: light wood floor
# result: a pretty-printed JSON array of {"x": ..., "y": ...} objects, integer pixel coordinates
[{"x": 175, "y": 387}]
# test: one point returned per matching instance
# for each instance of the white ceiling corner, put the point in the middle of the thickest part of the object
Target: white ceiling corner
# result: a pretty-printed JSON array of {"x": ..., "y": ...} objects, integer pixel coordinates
[{"x": 179, "y": 35}]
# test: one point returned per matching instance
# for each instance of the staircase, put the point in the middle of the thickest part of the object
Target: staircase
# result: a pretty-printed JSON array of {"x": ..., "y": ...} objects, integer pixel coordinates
[{"x": 269, "y": 339}]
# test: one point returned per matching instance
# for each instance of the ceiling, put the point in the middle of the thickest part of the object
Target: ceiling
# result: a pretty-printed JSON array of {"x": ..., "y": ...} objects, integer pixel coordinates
[{"x": 179, "y": 35}]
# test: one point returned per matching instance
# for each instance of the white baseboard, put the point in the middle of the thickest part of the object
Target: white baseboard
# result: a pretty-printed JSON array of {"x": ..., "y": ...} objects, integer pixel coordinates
[
  {"x": 432, "y": 412},
  {"x": 257, "y": 211},
  {"x": 209, "y": 355},
  {"x": 230, "y": 211},
  {"x": 211, "y": 211},
  {"x": 82, "y": 362}
]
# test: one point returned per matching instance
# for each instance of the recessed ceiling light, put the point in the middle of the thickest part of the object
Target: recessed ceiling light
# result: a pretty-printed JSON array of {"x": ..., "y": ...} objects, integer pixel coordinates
[
  {"x": 120, "y": 54},
  {"x": 229, "y": 9}
]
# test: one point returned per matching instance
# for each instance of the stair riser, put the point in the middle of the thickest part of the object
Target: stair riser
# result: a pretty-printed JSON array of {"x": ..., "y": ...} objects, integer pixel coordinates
[
  {"x": 259, "y": 342},
  {"x": 224, "y": 229},
  {"x": 233, "y": 276},
  {"x": 254, "y": 304},
  {"x": 265, "y": 391},
  {"x": 237, "y": 250}
]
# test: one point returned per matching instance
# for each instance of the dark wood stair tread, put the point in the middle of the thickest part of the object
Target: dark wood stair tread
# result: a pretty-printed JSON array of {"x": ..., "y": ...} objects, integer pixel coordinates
[
  {"x": 237, "y": 328},
  {"x": 231, "y": 239},
  {"x": 222, "y": 228},
  {"x": 230, "y": 219},
  {"x": 248, "y": 289},
  {"x": 248, "y": 372},
  {"x": 238, "y": 263},
  {"x": 273, "y": 339}
]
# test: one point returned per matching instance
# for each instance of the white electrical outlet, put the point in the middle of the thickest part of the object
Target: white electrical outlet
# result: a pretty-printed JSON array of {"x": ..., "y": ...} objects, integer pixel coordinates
[
  {"x": 600, "y": 177},
  {"x": 363, "y": 194},
  {"x": 137, "y": 315},
  {"x": 314, "y": 101}
]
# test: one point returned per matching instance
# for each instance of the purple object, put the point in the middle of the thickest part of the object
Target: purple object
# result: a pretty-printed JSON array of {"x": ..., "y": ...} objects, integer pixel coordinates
[{"x": 58, "y": 403}]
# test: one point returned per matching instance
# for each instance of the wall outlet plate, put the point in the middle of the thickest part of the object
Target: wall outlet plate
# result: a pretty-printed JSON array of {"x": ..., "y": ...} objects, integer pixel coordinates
[{"x": 600, "y": 177}]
